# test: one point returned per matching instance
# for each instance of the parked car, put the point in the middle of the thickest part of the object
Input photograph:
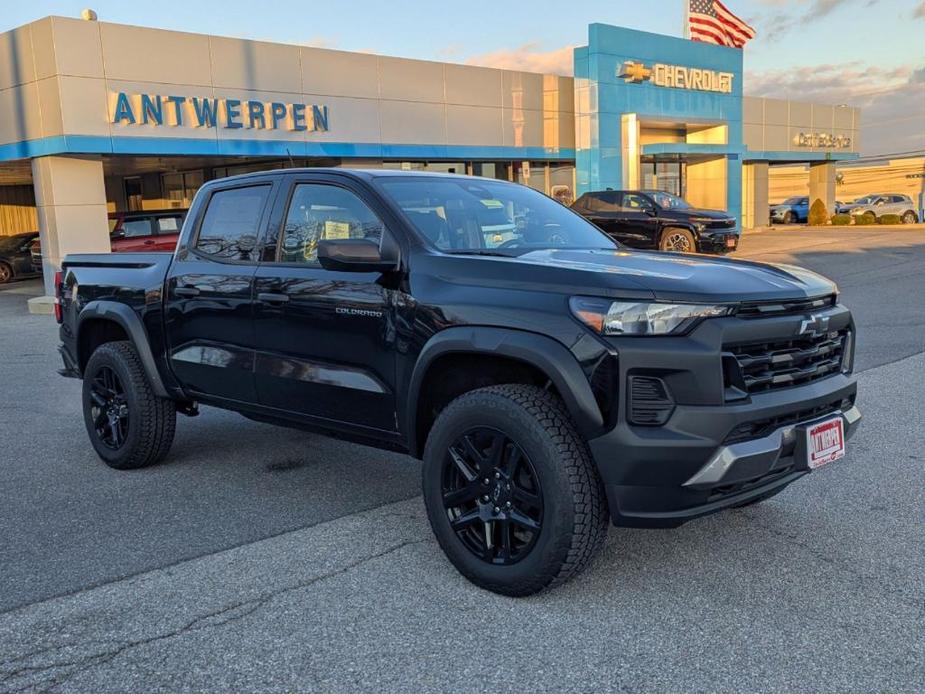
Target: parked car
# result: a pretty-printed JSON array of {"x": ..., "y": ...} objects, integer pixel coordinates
[
  {"x": 655, "y": 219},
  {"x": 791, "y": 211},
  {"x": 551, "y": 382},
  {"x": 884, "y": 203},
  {"x": 15, "y": 258},
  {"x": 156, "y": 230},
  {"x": 145, "y": 231}
]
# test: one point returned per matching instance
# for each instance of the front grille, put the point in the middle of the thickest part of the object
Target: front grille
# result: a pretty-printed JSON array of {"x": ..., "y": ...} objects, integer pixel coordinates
[
  {"x": 760, "y": 428},
  {"x": 764, "y": 309},
  {"x": 768, "y": 366},
  {"x": 721, "y": 224}
]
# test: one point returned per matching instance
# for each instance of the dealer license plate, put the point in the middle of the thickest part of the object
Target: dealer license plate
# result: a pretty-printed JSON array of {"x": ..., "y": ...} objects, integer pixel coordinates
[
  {"x": 730, "y": 242},
  {"x": 825, "y": 442}
]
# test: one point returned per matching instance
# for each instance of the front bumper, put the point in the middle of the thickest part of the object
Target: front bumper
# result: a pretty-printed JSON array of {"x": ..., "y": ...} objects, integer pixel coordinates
[
  {"x": 717, "y": 241},
  {"x": 717, "y": 447}
]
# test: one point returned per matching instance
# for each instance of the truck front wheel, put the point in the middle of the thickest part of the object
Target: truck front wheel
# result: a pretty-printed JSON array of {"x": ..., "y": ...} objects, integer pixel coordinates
[
  {"x": 511, "y": 492},
  {"x": 129, "y": 426}
]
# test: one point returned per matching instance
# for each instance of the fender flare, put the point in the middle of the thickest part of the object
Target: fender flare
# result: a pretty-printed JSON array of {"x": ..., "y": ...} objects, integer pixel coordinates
[
  {"x": 125, "y": 317},
  {"x": 548, "y": 355}
]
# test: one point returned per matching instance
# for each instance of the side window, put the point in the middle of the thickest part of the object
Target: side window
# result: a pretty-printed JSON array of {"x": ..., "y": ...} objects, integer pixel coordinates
[
  {"x": 604, "y": 202},
  {"x": 229, "y": 229},
  {"x": 136, "y": 227},
  {"x": 168, "y": 225},
  {"x": 318, "y": 211},
  {"x": 633, "y": 201}
]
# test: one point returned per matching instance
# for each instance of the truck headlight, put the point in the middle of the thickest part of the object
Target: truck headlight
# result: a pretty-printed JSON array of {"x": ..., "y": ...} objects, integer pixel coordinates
[{"x": 607, "y": 317}]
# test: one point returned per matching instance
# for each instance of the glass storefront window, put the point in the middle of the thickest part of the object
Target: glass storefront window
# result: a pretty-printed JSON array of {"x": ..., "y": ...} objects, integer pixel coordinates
[
  {"x": 562, "y": 183},
  {"x": 532, "y": 174},
  {"x": 180, "y": 188},
  {"x": 663, "y": 175}
]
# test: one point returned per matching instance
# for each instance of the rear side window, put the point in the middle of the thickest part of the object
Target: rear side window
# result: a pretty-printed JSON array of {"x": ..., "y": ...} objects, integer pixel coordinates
[
  {"x": 230, "y": 226},
  {"x": 168, "y": 225},
  {"x": 604, "y": 202},
  {"x": 319, "y": 212}
]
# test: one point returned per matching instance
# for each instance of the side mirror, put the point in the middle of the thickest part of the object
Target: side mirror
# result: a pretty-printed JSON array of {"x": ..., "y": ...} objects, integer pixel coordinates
[{"x": 358, "y": 255}]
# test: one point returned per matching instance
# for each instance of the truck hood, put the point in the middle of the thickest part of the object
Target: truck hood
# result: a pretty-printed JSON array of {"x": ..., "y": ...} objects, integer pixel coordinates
[
  {"x": 703, "y": 212},
  {"x": 665, "y": 276}
]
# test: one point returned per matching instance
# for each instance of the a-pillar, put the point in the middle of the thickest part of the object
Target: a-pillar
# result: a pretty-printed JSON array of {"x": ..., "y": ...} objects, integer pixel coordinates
[
  {"x": 70, "y": 200},
  {"x": 755, "y": 208},
  {"x": 822, "y": 184}
]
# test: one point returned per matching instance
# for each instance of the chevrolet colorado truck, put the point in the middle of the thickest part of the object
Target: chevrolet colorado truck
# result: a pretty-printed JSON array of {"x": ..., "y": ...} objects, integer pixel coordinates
[{"x": 550, "y": 380}]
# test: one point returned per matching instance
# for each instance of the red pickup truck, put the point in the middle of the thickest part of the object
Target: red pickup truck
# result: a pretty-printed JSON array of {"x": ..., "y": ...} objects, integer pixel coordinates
[{"x": 151, "y": 230}]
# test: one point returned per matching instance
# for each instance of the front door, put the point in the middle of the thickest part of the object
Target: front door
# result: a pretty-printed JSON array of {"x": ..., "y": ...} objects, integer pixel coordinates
[
  {"x": 209, "y": 319},
  {"x": 325, "y": 339},
  {"x": 638, "y": 220}
]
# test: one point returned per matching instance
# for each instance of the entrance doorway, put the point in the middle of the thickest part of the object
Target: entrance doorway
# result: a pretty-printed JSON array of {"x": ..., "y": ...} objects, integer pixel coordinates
[{"x": 664, "y": 174}]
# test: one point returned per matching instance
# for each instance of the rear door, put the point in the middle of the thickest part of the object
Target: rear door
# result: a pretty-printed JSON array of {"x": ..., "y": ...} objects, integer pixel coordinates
[
  {"x": 209, "y": 303},
  {"x": 325, "y": 339},
  {"x": 603, "y": 209},
  {"x": 167, "y": 232}
]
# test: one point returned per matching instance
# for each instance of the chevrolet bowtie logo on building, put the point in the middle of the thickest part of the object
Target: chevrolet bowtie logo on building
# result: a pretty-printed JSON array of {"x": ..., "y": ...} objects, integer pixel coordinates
[
  {"x": 677, "y": 76},
  {"x": 635, "y": 72}
]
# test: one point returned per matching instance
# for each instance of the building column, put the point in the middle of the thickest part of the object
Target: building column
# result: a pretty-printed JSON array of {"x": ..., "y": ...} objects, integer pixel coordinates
[
  {"x": 70, "y": 200},
  {"x": 822, "y": 185},
  {"x": 755, "y": 207}
]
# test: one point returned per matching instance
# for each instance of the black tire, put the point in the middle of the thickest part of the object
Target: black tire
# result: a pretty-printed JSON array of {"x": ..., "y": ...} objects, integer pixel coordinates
[
  {"x": 790, "y": 218},
  {"x": 910, "y": 217},
  {"x": 573, "y": 516},
  {"x": 677, "y": 240},
  {"x": 6, "y": 273},
  {"x": 146, "y": 433}
]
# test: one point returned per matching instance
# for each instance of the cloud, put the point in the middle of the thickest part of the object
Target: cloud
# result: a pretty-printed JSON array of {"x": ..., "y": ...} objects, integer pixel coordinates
[
  {"x": 892, "y": 100},
  {"x": 783, "y": 19},
  {"x": 529, "y": 57}
]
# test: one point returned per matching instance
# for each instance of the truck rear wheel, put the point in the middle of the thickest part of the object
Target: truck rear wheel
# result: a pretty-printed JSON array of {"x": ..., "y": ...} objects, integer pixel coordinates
[
  {"x": 129, "y": 426},
  {"x": 511, "y": 491}
]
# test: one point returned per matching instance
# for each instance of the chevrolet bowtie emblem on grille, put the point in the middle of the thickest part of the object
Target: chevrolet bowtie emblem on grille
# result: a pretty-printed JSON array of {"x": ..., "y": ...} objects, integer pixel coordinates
[
  {"x": 814, "y": 326},
  {"x": 635, "y": 72}
]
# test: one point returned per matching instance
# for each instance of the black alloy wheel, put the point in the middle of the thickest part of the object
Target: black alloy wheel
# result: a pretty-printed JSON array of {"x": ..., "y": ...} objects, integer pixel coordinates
[
  {"x": 492, "y": 496},
  {"x": 6, "y": 273},
  {"x": 109, "y": 408},
  {"x": 678, "y": 241}
]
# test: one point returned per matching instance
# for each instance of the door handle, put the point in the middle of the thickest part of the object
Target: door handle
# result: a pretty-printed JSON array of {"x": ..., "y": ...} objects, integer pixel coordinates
[
  {"x": 272, "y": 298},
  {"x": 186, "y": 291}
]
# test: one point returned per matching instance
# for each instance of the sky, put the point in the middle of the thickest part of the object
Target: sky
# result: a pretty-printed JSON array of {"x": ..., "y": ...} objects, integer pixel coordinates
[{"x": 867, "y": 53}]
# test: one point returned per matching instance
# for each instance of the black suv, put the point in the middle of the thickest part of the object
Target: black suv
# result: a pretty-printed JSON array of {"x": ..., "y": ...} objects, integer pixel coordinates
[
  {"x": 550, "y": 379},
  {"x": 655, "y": 219}
]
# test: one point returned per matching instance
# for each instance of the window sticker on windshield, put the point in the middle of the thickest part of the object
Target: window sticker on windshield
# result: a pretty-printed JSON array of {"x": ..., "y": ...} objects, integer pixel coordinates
[
  {"x": 336, "y": 230},
  {"x": 491, "y": 203}
]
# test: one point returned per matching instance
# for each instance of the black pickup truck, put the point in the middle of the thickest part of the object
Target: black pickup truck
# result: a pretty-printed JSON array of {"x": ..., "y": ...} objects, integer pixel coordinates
[{"x": 550, "y": 380}]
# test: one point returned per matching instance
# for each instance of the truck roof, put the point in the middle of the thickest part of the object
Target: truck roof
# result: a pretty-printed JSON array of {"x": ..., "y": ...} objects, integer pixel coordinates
[{"x": 357, "y": 173}]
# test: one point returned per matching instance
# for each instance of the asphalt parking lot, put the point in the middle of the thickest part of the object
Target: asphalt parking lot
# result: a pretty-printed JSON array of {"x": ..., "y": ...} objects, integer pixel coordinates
[{"x": 259, "y": 558}]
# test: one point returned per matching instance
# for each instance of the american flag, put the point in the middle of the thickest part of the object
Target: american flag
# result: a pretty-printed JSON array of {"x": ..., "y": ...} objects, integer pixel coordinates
[{"x": 710, "y": 21}]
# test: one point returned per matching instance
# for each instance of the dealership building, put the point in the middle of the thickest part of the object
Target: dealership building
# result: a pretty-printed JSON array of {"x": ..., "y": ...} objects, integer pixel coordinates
[{"x": 98, "y": 117}]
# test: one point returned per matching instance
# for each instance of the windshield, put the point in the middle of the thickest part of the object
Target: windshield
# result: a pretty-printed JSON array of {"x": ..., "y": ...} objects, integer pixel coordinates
[
  {"x": 667, "y": 201},
  {"x": 465, "y": 215},
  {"x": 794, "y": 201},
  {"x": 13, "y": 243},
  {"x": 866, "y": 199}
]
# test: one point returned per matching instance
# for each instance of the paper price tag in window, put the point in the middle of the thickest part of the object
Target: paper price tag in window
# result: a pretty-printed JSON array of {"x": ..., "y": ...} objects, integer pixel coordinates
[{"x": 336, "y": 230}]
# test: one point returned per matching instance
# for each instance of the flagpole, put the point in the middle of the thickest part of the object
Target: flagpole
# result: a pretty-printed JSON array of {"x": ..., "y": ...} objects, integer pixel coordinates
[{"x": 686, "y": 29}]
